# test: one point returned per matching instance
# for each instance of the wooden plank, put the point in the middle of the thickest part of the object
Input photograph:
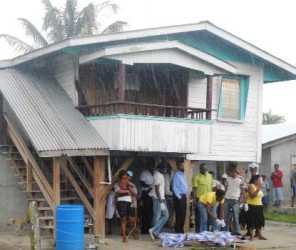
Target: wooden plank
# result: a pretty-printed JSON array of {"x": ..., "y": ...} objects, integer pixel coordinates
[
  {"x": 121, "y": 87},
  {"x": 99, "y": 197},
  {"x": 56, "y": 181},
  {"x": 209, "y": 96},
  {"x": 81, "y": 176},
  {"x": 74, "y": 183},
  {"x": 28, "y": 157},
  {"x": 29, "y": 177},
  {"x": 188, "y": 170},
  {"x": 88, "y": 167}
]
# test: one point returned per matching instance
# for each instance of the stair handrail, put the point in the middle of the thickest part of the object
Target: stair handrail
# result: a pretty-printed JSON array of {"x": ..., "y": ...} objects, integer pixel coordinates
[{"x": 27, "y": 156}]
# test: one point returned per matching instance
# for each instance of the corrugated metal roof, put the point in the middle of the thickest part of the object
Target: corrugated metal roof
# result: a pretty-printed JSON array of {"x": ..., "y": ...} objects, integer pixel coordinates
[
  {"x": 47, "y": 114},
  {"x": 277, "y": 131}
]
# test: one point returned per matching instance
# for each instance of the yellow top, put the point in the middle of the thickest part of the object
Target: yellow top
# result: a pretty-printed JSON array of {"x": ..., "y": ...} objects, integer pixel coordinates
[
  {"x": 210, "y": 197},
  {"x": 202, "y": 183},
  {"x": 257, "y": 200}
]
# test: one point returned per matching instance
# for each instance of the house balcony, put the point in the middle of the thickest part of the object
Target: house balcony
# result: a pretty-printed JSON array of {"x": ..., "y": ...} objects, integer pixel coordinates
[
  {"x": 133, "y": 108},
  {"x": 147, "y": 128}
]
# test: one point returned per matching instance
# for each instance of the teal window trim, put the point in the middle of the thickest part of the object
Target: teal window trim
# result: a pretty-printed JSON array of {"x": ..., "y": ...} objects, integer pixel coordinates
[{"x": 244, "y": 90}]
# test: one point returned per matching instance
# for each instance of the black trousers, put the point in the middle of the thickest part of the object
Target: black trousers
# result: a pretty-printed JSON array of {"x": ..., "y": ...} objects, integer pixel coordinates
[
  {"x": 180, "y": 211},
  {"x": 147, "y": 212}
]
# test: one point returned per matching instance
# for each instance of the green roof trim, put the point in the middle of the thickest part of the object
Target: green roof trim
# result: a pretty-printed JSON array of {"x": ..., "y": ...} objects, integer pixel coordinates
[{"x": 153, "y": 118}]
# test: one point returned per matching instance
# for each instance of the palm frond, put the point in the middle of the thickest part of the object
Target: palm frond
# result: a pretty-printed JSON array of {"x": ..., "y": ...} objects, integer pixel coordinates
[
  {"x": 107, "y": 5},
  {"x": 18, "y": 45},
  {"x": 33, "y": 32},
  {"x": 69, "y": 18},
  {"x": 52, "y": 23},
  {"x": 86, "y": 21},
  {"x": 115, "y": 27}
]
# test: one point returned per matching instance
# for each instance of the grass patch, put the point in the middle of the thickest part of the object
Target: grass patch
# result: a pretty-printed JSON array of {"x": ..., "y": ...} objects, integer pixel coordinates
[{"x": 273, "y": 216}]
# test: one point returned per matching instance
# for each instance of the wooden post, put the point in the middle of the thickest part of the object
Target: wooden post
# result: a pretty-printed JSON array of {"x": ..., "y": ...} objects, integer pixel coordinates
[
  {"x": 99, "y": 197},
  {"x": 209, "y": 96},
  {"x": 56, "y": 188},
  {"x": 35, "y": 227},
  {"x": 29, "y": 176},
  {"x": 188, "y": 170},
  {"x": 121, "y": 86},
  {"x": 2, "y": 123}
]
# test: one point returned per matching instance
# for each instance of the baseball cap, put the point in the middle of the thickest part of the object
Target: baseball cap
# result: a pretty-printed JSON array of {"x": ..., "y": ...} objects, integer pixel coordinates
[
  {"x": 130, "y": 173},
  {"x": 253, "y": 165},
  {"x": 224, "y": 176}
]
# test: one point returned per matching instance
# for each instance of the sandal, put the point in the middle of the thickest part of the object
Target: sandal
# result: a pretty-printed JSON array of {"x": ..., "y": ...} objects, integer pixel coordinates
[{"x": 262, "y": 238}]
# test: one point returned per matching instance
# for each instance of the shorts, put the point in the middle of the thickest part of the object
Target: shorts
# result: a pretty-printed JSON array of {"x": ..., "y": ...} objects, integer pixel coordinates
[
  {"x": 294, "y": 189},
  {"x": 265, "y": 200},
  {"x": 125, "y": 209}
]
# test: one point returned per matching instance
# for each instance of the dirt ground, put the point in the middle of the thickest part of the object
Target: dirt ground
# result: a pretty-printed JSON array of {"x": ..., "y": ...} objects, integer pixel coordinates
[{"x": 279, "y": 235}]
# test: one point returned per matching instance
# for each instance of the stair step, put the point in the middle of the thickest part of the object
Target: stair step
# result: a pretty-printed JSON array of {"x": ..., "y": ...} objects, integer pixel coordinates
[
  {"x": 47, "y": 227},
  {"x": 62, "y": 199},
  {"x": 46, "y": 218},
  {"x": 21, "y": 167},
  {"x": 44, "y": 208}
]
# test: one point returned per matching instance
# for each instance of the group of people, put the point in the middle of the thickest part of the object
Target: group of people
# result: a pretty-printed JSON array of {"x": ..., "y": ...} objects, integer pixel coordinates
[
  {"x": 219, "y": 205},
  {"x": 229, "y": 198}
]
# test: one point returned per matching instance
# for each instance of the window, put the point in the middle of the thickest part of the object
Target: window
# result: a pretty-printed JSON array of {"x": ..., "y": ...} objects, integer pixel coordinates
[
  {"x": 233, "y": 98},
  {"x": 293, "y": 159}
]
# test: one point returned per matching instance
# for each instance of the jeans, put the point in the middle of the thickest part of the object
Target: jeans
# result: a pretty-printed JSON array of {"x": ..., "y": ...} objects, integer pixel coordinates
[
  {"x": 156, "y": 211},
  {"x": 228, "y": 205},
  {"x": 203, "y": 213},
  {"x": 160, "y": 218}
]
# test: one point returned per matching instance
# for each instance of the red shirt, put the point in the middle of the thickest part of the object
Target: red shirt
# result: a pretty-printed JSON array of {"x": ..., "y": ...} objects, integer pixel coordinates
[{"x": 277, "y": 181}]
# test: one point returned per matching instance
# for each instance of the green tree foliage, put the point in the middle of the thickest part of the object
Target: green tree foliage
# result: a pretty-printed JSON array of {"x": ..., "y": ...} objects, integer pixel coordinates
[
  {"x": 270, "y": 118},
  {"x": 63, "y": 23}
]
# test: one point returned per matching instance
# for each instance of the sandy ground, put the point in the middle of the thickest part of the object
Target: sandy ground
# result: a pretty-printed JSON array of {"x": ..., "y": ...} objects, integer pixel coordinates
[{"x": 279, "y": 235}]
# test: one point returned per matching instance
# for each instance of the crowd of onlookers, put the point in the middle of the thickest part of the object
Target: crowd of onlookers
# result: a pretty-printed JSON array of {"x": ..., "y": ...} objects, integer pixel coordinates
[{"x": 236, "y": 202}]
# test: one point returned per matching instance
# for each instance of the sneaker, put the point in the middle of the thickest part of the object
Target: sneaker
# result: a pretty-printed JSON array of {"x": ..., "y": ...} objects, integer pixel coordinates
[{"x": 151, "y": 234}]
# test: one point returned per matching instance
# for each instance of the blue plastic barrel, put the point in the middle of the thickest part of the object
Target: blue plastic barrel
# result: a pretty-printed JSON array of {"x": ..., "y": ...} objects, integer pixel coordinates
[{"x": 69, "y": 227}]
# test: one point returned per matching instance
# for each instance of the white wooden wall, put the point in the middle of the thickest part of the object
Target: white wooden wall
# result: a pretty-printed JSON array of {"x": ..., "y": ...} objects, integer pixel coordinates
[
  {"x": 232, "y": 140},
  {"x": 64, "y": 70}
]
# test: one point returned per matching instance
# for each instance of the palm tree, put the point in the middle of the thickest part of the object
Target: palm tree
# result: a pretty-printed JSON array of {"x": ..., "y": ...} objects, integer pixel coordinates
[
  {"x": 270, "y": 118},
  {"x": 62, "y": 23}
]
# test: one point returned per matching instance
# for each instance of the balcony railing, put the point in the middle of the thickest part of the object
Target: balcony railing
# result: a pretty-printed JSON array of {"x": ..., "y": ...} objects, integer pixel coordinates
[{"x": 133, "y": 108}]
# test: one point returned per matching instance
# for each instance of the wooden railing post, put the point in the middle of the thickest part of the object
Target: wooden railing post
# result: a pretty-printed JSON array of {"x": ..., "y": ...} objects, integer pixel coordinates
[
  {"x": 209, "y": 97},
  {"x": 121, "y": 87}
]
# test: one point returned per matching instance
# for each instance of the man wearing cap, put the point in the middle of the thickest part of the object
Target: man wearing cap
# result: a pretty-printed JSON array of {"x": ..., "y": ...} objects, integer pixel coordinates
[
  {"x": 124, "y": 190},
  {"x": 160, "y": 211}
]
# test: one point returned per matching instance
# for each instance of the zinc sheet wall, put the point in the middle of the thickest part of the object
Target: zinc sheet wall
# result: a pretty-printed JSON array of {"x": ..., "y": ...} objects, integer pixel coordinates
[{"x": 152, "y": 135}]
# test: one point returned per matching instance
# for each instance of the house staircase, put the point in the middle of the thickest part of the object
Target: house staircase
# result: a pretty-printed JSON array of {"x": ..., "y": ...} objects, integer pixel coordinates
[{"x": 50, "y": 181}]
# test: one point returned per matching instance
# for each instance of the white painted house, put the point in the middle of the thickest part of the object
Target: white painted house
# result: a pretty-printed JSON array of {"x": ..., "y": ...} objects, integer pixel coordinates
[{"x": 189, "y": 91}]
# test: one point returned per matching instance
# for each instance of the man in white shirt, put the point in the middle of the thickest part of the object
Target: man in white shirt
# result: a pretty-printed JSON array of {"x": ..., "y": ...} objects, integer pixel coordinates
[{"x": 160, "y": 211}]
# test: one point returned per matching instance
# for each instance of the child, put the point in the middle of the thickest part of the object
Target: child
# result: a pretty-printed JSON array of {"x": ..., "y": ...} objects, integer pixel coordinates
[{"x": 265, "y": 189}]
